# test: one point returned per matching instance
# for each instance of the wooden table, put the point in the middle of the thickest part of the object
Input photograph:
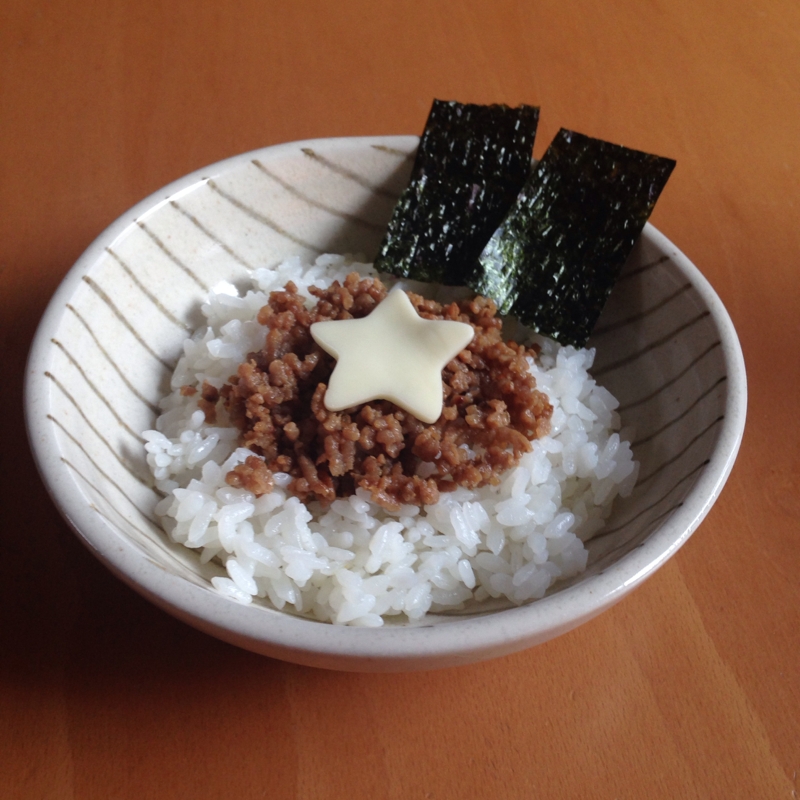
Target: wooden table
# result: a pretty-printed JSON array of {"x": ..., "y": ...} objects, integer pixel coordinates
[{"x": 688, "y": 688}]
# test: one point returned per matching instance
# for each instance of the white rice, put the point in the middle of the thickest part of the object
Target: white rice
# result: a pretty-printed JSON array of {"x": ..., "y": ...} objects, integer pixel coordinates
[{"x": 356, "y": 563}]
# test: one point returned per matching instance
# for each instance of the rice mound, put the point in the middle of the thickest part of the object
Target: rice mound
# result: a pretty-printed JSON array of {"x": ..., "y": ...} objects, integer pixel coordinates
[{"x": 355, "y": 562}]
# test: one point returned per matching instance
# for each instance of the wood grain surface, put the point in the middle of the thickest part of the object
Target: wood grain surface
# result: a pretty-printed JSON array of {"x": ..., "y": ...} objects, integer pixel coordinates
[{"x": 688, "y": 688}]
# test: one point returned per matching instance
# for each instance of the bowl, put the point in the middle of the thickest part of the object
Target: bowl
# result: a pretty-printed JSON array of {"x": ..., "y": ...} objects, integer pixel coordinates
[{"x": 108, "y": 342}]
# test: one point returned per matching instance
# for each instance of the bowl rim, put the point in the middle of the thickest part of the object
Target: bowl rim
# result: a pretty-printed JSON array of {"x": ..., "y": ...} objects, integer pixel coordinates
[{"x": 284, "y": 635}]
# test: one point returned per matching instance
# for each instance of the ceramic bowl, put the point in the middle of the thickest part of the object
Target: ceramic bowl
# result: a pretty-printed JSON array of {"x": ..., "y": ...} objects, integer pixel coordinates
[{"x": 110, "y": 337}]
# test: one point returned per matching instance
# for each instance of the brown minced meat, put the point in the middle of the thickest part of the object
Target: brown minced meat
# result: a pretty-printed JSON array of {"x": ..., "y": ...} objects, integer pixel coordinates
[{"x": 491, "y": 405}]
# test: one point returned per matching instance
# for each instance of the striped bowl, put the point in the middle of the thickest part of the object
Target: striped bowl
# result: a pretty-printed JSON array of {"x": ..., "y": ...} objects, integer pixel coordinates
[{"x": 108, "y": 342}]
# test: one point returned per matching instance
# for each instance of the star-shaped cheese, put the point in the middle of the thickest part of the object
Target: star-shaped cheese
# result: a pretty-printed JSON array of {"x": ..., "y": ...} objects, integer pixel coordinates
[{"x": 392, "y": 354}]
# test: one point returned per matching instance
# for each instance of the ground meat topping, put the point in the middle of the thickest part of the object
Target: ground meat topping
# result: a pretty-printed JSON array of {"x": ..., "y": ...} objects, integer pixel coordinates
[
  {"x": 492, "y": 409},
  {"x": 253, "y": 475},
  {"x": 208, "y": 402}
]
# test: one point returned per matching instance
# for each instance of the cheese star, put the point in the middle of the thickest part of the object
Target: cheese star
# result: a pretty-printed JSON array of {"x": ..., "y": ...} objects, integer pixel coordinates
[{"x": 392, "y": 354}]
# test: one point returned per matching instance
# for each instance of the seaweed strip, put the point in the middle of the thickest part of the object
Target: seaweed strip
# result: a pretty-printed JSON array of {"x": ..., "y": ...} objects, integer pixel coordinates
[
  {"x": 471, "y": 163},
  {"x": 556, "y": 256}
]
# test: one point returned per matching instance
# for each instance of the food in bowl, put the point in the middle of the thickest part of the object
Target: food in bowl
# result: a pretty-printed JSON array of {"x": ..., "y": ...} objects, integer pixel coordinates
[
  {"x": 359, "y": 554},
  {"x": 357, "y": 511},
  {"x": 665, "y": 348}
]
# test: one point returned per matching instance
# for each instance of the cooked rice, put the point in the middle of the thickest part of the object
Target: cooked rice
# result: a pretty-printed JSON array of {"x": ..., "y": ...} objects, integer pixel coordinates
[{"x": 356, "y": 563}]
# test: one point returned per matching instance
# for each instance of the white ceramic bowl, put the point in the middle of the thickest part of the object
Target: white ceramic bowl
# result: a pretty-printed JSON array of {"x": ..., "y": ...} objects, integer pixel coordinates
[{"x": 110, "y": 337}]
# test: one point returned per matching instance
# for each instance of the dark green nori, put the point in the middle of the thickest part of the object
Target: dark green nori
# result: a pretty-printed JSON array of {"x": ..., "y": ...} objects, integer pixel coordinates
[
  {"x": 558, "y": 253},
  {"x": 471, "y": 163}
]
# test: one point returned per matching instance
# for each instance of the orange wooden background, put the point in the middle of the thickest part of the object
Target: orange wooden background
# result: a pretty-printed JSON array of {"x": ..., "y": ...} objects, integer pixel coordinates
[{"x": 688, "y": 688}]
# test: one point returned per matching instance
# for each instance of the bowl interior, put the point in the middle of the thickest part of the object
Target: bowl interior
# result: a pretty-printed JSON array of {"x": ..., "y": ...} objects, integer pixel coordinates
[{"x": 114, "y": 331}]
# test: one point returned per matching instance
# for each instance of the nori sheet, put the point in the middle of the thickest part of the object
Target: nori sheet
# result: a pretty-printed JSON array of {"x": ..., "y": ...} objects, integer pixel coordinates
[
  {"x": 556, "y": 256},
  {"x": 471, "y": 164}
]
